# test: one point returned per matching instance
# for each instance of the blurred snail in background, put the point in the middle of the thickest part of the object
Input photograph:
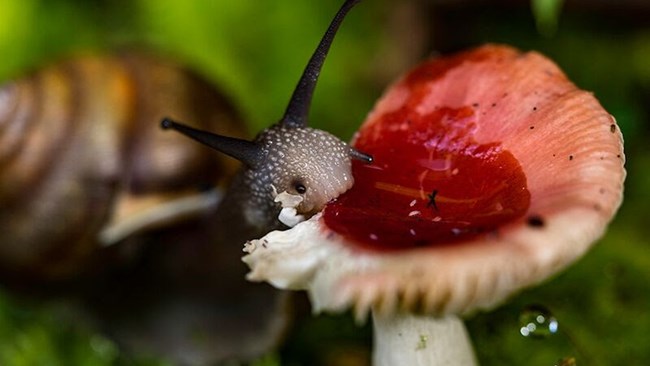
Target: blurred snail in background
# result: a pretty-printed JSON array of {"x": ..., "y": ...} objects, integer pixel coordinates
[
  {"x": 79, "y": 157},
  {"x": 126, "y": 218}
]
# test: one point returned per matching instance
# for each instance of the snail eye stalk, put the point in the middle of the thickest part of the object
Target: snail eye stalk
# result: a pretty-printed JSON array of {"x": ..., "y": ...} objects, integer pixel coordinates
[
  {"x": 245, "y": 151},
  {"x": 356, "y": 154},
  {"x": 297, "y": 112}
]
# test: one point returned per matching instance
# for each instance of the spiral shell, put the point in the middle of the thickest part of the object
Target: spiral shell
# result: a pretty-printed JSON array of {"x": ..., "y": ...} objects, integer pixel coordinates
[{"x": 81, "y": 156}]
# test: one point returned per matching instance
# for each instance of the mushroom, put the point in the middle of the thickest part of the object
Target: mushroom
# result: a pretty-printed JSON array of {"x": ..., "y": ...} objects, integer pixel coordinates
[{"x": 492, "y": 172}]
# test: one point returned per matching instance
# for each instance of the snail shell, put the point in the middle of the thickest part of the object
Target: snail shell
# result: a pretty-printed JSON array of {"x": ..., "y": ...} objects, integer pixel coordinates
[{"x": 81, "y": 158}]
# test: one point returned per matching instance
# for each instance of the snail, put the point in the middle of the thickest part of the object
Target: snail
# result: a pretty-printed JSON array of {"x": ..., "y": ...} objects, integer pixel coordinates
[
  {"x": 99, "y": 193},
  {"x": 289, "y": 157}
]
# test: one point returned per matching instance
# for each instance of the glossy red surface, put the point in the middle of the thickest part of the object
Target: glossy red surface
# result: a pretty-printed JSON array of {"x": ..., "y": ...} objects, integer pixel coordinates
[{"x": 431, "y": 183}]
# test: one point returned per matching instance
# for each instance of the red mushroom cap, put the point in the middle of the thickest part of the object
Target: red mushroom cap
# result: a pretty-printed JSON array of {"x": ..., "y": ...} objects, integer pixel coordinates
[{"x": 492, "y": 172}]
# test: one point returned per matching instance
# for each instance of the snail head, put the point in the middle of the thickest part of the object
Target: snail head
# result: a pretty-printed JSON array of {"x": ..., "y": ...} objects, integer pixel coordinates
[{"x": 290, "y": 156}]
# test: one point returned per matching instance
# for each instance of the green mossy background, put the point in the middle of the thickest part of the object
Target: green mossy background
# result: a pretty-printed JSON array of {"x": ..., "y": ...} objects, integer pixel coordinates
[{"x": 256, "y": 49}]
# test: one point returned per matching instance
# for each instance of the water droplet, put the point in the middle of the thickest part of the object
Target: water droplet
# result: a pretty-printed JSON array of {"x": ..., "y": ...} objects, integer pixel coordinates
[{"x": 536, "y": 321}]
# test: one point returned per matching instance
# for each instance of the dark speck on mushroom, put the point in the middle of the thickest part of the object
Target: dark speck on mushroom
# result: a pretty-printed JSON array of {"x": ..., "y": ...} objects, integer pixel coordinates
[
  {"x": 432, "y": 200},
  {"x": 570, "y": 157},
  {"x": 494, "y": 104},
  {"x": 475, "y": 105},
  {"x": 535, "y": 221},
  {"x": 612, "y": 128},
  {"x": 532, "y": 127},
  {"x": 534, "y": 108}
]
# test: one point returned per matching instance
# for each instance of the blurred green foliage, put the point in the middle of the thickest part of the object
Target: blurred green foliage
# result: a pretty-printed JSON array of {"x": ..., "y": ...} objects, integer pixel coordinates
[
  {"x": 547, "y": 13},
  {"x": 256, "y": 50},
  {"x": 54, "y": 335}
]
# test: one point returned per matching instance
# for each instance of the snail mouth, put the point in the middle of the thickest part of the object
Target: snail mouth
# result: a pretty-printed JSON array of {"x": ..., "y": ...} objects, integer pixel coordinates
[
  {"x": 314, "y": 211},
  {"x": 308, "y": 213},
  {"x": 297, "y": 208},
  {"x": 308, "y": 208}
]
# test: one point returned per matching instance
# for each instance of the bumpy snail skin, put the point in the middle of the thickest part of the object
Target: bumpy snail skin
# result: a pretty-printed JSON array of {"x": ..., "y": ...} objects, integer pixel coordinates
[{"x": 309, "y": 157}]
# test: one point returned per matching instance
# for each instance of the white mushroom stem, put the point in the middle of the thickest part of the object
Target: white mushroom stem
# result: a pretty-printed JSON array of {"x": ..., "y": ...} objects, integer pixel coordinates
[{"x": 408, "y": 339}]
